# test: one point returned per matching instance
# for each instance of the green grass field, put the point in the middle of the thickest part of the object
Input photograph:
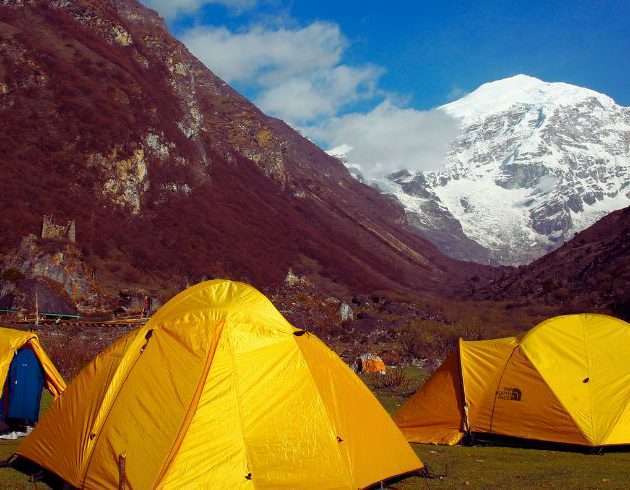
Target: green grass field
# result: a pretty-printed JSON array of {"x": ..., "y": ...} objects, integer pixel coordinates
[{"x": 461, "y": 467}]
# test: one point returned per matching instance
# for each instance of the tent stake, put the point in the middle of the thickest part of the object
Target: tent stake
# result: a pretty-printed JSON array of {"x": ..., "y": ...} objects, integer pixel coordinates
[{"x": 122, "y": 477}]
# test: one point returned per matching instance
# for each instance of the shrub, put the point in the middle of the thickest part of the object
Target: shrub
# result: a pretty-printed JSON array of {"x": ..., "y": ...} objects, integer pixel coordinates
[
  {"x": 72, "y": 347},
  {"x": 427, "y": 339},
  {"x": 424, "y": 339},
  {"x": 70, "y": 355},
  {"x": 562, "y": 294},
  {"x": 394, "y": 379},
  {"x": 12, "y": 275}
]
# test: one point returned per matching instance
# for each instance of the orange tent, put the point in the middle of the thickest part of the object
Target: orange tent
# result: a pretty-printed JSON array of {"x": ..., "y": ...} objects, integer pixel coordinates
[
  {"x": 218, "y": 390},
  {"x": 567, "y": 380},
  {"x": 370, "y": 363}
]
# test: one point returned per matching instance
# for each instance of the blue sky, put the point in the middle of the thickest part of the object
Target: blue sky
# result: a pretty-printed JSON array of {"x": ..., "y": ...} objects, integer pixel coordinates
[
  {"x": 322, "y": 64},
  {"x": 432, "y": 49}
]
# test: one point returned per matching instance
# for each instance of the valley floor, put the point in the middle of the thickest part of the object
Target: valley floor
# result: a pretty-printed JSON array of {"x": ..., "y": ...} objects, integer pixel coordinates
[
  {"x": 461, "y": 467},
  {"x": 507, "y": 467}
]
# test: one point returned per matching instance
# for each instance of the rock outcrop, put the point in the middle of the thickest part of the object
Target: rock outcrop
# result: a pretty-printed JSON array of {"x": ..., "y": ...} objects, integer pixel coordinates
[{"x": 58, "y": 266}]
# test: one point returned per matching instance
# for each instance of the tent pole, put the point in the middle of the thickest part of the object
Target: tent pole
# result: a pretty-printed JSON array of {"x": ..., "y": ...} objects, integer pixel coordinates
[{"x": 36, "y": 307}]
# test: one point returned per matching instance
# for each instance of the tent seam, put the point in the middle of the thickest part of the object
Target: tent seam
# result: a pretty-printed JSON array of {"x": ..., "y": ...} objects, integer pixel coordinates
[
  {"x": 577, "y": 426},
  {"x": 613, "y": 426},
  {"x": 494, "y": 401},
  {"x": 588, "y": 374},
  {"x": 53, "y": 376},
  {"x": 235, "y": 387},
  {"x": 343, "y": 453},
  {"x": 463, "y": 387},
  {"x": 109, "y": 410},
  {"x": 189, "y": 415}
]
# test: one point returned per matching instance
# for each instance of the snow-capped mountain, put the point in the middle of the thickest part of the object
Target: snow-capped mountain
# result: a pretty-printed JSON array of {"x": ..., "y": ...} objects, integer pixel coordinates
[{"x": 534, "y": 163}]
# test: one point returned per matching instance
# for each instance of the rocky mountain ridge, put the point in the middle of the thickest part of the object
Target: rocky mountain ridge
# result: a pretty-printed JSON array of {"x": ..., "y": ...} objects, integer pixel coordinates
[{"x": 591, "y": 272}]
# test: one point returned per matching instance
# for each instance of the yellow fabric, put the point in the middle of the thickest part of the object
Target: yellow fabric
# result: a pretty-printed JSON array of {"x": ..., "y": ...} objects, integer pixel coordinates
[
  {"x": 440, "y": 402},
  {"x": 537, "y": 413},
  {"x": 216, "y": 391},
  {"x": 11, "y": 341},
  {"x": 567, "y": 380},
  {"x": 586, "y": 347},
  {"x": 482, "y": 363},
  {"x": 370, "y": 442},
  {"x": 67, "y": 425}
]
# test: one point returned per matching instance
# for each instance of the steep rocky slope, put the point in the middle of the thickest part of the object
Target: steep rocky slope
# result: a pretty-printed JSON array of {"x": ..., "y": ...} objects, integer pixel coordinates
[
  {"x": 534, "y": 163},
  {"x": 170, "y": 174}
]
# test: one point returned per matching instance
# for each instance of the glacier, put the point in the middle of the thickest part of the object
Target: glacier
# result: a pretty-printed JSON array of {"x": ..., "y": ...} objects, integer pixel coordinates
[{"x": 534, "y": 163}]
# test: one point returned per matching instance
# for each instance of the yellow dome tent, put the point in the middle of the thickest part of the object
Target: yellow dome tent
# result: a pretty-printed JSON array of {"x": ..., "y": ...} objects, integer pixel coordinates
[
  {"x": 567, "y": 381},
  {"x": 11, "y": 341},
  {"x": 218, "y": 390}
]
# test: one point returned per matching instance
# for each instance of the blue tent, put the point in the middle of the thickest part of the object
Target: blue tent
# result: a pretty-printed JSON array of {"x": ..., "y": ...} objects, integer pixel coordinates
[{"x": 23, "y": 389}]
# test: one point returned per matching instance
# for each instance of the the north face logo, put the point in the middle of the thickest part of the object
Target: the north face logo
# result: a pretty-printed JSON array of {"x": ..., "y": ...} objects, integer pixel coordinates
[{"x": 513, "y": 394}]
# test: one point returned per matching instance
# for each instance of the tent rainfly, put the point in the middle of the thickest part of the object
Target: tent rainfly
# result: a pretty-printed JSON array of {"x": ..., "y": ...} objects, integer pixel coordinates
[
  {"x": 565, "y": 381},
  {"x": 218, "y": 390}
]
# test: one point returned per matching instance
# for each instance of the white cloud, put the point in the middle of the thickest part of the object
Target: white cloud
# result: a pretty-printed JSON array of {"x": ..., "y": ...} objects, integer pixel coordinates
[
  {"x": 296, "y": 73},
  {"x": 391, "y": 138},
  {"x": 266, "y": 55},
  {"x": 299, "y": 75},
  {"x": 171, "y": 8},
  {"x": 322, "y": 94}
]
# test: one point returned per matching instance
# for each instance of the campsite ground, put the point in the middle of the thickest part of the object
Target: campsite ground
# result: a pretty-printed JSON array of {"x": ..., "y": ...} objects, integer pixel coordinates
[
  {"x": 461, "y": 467},
  {"x": 504, "y": 467},
  {"x": 501, "y": 467}
]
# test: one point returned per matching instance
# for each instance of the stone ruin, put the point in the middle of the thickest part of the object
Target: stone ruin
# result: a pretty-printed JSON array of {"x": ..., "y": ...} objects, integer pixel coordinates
[{"x": 54, "y": 231}]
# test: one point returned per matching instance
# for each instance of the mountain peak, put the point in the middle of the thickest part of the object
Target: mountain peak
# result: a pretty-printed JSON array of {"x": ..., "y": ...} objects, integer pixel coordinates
[
  {"x": 501, "y": 95},
  {"x": 517, "y": 81},
  {"x": 535, "y": 162}
]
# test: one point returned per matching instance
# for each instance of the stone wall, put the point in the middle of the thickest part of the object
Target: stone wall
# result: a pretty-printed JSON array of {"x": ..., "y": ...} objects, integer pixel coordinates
[{"x": 54, "y": 231}]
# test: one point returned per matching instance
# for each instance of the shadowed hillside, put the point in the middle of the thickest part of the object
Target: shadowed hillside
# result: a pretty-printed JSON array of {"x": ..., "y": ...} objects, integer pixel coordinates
[
  {"x": 170, "y": 174},
  {"x": 591, "y": 271}
]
